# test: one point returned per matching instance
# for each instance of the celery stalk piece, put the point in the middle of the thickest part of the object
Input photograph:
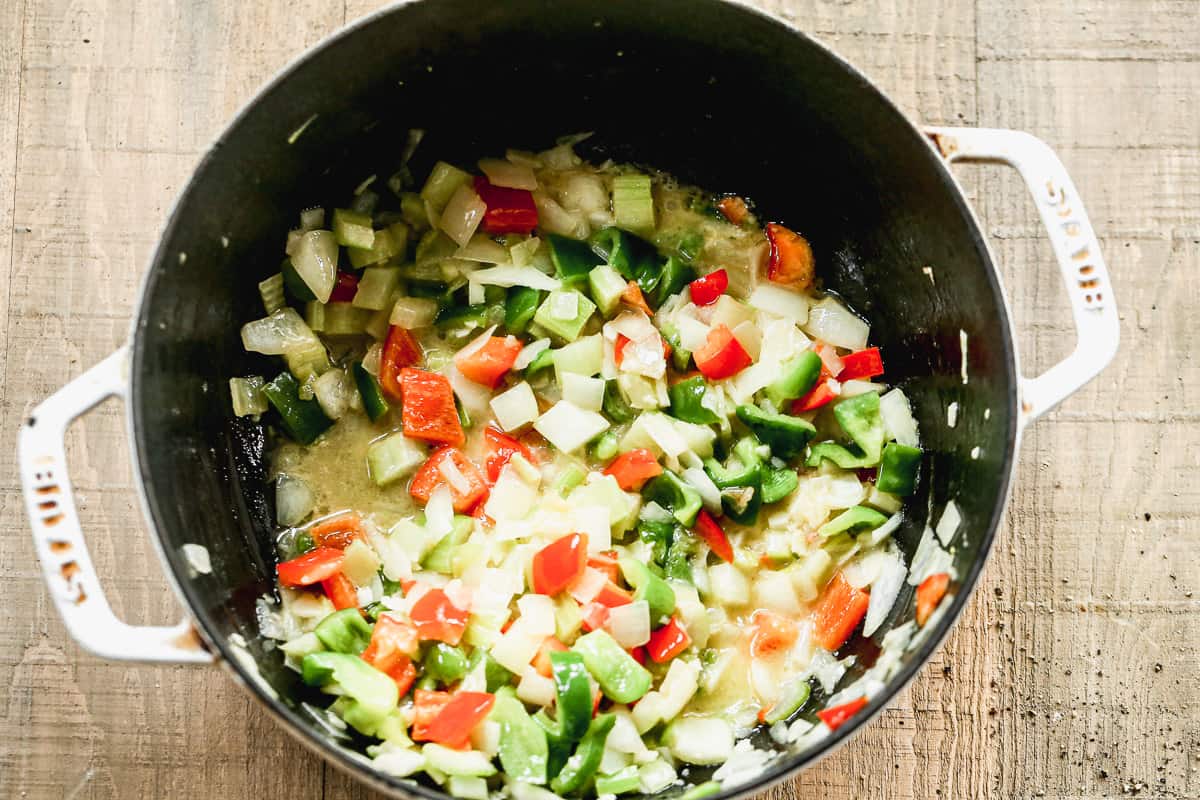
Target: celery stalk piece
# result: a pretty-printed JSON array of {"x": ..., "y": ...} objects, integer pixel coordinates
[
  {"x": 606, "y": 286},
  {"x": 444, "y": 180},
  {"x": 375, "y": 288},
  {"x": 564, "y": 313},
  {"x": 633, "y": 204},
  {"x": 343, "y": 319},
  {"x": 247, "y": 397},
  {"x": 389, "y": 244},
  {"x": 271, "y": 291},
  {"x": 393, "y": 457},
  {"x": 353, "y": 229}
]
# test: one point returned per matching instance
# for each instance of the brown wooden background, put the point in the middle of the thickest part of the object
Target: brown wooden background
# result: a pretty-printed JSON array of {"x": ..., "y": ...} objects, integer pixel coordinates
[{"x": 1074, "y": 672}]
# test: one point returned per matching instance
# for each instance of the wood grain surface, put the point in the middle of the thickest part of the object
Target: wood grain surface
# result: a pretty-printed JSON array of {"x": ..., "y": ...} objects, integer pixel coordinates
[{"x": 1074, "y": 672}]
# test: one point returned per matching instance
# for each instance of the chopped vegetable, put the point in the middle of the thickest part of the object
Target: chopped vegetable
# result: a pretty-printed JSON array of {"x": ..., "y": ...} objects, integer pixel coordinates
[
  {"x": 428, "y": 408},
  {"x": 633, "y": 468},
  {"x": 509, "y": 210},
  {"x": 791, "y": 260},
  {"x": 559, "y": 564},
  {"x": 862, "y": 364},
  {"x": 898, "y": 469},
  {"x": 467, "y": 488},
  {"x": 722, "y": 355},
  {"x": 712, "y": 534},
  {"x": 400, "y": 350},
  {"x": 312, "y": 567},
  {"x": 773, "y": 633},
  {"x": 633, "y": 205},
  {"x": 706, "y": 290},
  {"x": 929, "y": 594},
  {"x": 839, "y": 610},
  {"x": 489, "y": 363},
  {"x": 668, "y": 641},
  {"x": 836, "y": 716},
  {"x": 437, "y": 618},
  {"x": 687, "y": 402},
  {"x": 622, "y": 679}
]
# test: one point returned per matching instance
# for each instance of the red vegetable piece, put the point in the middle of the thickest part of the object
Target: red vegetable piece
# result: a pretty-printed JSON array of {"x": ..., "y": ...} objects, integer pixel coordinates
[
  {"x": 594, "y": 616},
  {"x": 606, "y": 562},
  {"x": 431, "y": 475},
  {"x": 633, "y": 468},
  {"x": 400, "y": 350},
  {"x": 428, "y": 411},
  {"x": 929, "y": 594},
  {"x": 836, "y": 717},
  {"x": 733, "y": 208},
  {"x": 426, "y": 707},
  {"x": 312, "y": 567},
  {"x": 668, "y": 641},
  {"x": 341, "y": 591},
  {"x": 772, "y": 634},
  {"x": 438, "y": 619},
  {"x": 839, "y": 610},
  {"x": 820, "y": 395},
  {"x": 345, "y": 288},
  {"x": 392, "y": 648},
  {"x": 861, "y": 364},
  {"x": 541, "y": 662},
  {"x": 339, "y": 531},
  {"x": 706, "y": 290},
  {"x": 722, "y": 355},
  {"x": 500, "y": 448},
  {"x": 488, "y": 364},
  {"x": 612, "y": 596},
  {"x": 711, "y": 532},
  {"x": 453, "y": 724},
  {"x": 791, "y": 260},
  {"x": 508, "y": 210},
  {"x": 557, "y": 565},
  {"x": 639, "y": 654}
]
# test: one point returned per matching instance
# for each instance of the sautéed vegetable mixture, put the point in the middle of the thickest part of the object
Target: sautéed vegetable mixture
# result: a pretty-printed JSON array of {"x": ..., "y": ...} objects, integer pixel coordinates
[{"x": 580, "y": 480}]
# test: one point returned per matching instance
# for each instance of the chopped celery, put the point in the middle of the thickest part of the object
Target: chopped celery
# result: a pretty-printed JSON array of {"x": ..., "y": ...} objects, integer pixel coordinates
[
  {"x": 433, "y": 248},
  {"x": 519, "y": 308},
  {"x": 444, "y": 180},
  {"x": 344, "y": 319},
  {"x": 271, "y": 291},
  {"x": 353, "y": 229},
  {"x": 564, "y": 313},
  {"x": 606, "y": 446},
  {"x": 624, "y": 781},
  {"x": 314, "y": 315},
  {"x": 441, "y": 557},
  {"x": 412, "y": 211},
  {"x": 633, "y": 204},
  {"x": 307, "y": 360},
  {"x": 393, "y": 457},
  {"x": 606, "y": 286},
  {"x": 571, "y": 476},
  {"x": 375, "y": 288},
  {"x": 390, "y": 243},
  {"x": 246, "y": 396},
  {"x": 303, "y": 420}
]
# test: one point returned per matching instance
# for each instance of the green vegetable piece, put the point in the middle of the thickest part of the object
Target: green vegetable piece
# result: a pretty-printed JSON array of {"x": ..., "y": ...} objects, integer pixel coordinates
[
  {"x": 633, "y": 203},
  {"x": 838, "y": 454},
  {"x": 368, "y": 695},
  {"x": 540, "y": 362},
  {"x": 551, "y": 315},
  {"x": 629, "y": 255},
  {"x": 524, "y": 752},
  {"x": 303, "y": 420},
  {"x": 647, "y": 586},
  {"x": 412, "y": 211},
  {"x": 670, "y": 491},
  {"x": 519, "y": 308},
  {"x": 344, "y": 631},
  {"x": 740, "y": 480},
  {"x": 796, "y": 378},
  {"x": 302, "y": 543},
  {"x": 606, "y": 446},
  {"x": 390, "y": 243},
  {"x": 856, "y": 518},
  {"x": 786, "y": 435},
  {"x": 702, "y": 790},
  {"x": 615, "y": 406},
  {"x": 464, "y": 416},
  {"x": 466, "y": 763},
  {"x": 687, "y": 402},
  {"x": 678, "y": 563},
  {"x": 898, "y": 469},
  {"x": 441, "y": 557},
  {"x": 571, "y": 476},
  {"x": 443, "y": 181},
  {"x": 606, "y": 286},
  {"x": 377, "y": 288},
  {"x": 573, "y": 694},
  {"x": 623, "y": 781},
  {"x": 393, "y": 457},
  {"x": 680, "y": 358},
  {"x": 778, "y": 483},
  {"x": 295, "y": 285},
  {"x": 860, "y": 418},
  {"x": 353, "y": 229},
  {"x": 471, "y": 317},
  {"x": 581, "y": 767},
  {"x": 658, "y": 535},
  {"x": 374, "y": 402},
  {"x": 794, "y": 698},
  {"x": 689, "y": 245},
  {"x": 495, "y": 675},
  {"x": 572, "y": 259},
  {"x": 674, "y": 276},
  {"x": 621, "y": 678},
  {"x": 445, "y": 663}
]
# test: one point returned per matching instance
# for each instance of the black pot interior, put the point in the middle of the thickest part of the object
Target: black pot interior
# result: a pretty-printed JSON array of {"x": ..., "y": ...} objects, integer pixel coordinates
[{"x": 717, "y": 94}]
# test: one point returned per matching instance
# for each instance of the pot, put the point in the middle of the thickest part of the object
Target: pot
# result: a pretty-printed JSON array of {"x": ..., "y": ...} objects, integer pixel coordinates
[{"x": 716, "y": 93}]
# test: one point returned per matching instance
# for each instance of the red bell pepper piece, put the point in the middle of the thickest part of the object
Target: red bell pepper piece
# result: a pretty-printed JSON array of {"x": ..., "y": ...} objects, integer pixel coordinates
[
  {"x": 313, "y": 567},
  {"x": 668, "y": 641},
  {"x": 639, "y": 654},
  {"x": 541, "y": 662},
  {"x": 400, "y": 350},
  {"x": 929, "y": 594},
  {"x": 345, "y": 288},
  {"x": 500, "y": 448},
  {"x": 820, "y": 395},
  {"x": 431, "y": 475},
  {"x": 428, "y": 411},
  {"x": 557, "y": 565},
  {"x": 453, "y": 724},
  {"x": 437, "y": 618},
  {"x": 722, "y": 355},
  {"x": 791, "y": 259},
  {"x": 339, "y": 531},
  {"x": 392, "y": 648},
  {"x": 773, "y": 633},
  {"x": 632, "y": 296},
  {"x": 341, "y": 591},
  {"x": 861, "y": 364},
  {"x": 594, "y": 616},
  {"x": 612, "y": 596},
  {"x": 488, "y": 364},
  {"x": 606, "y": 562},
  {"x": 508, "y": 210},
  {"x": 706, "y": 290},
  {"x": 839, "y": 610},
  {"x": 712, "y": 533},
  {"x": 836, "y": 717},
  {"x": 426, "y": 707},
  {"x": 733, "y": 208},
  {"x": 633, "y": 468}
]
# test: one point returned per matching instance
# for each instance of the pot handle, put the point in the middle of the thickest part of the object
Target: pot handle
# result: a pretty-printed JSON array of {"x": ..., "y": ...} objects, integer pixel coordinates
[
  {"x": 1075, "y": 247},
  {"x": 66, "y": 563}
]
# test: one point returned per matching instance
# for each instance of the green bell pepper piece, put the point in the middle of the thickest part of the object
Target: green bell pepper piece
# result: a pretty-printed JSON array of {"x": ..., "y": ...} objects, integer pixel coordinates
[
  {"x": 368, "y": 388},
  {"x": 573, "y": 694},
  {"x": 797, "y": 377},
  {"x": 856, "y": 518},
  {"x": 623, "y": 781},
  {"x": 670, "y": 491},
  {"x": 681, "y": 359},
  {"x": 898, "y": 469},
  {"x": 630, "y": 255},
  {"x": 860, "y": 418},
  {"x": 621, "y": 678},
  {"x": 701, "y": 790},
  {"x": 778, "y": 483},
  {"x": 441, "y": 557},
  {"x": 344, "y": 631},
  {"x": 581, "y": 767},
  {"x": 524, "y": 752},
  {"x": 838, "y": 454},
  {"x": 481, "y": 315},
  {"x": 540, "y": 362},
  {"x": 445, "y": 663},
  {"x": 740, "y": 481},
  {"x": 614, "y": 404},
  {"x": 368, "y": 695},
  {"x": 676, "y": 274},
  {"x": 647, "y": 586},
  {"x": 303, "y": 420},
  {"x": 678, "y": 564},
  {"x": 519, "y": 307},
  {"x": 658, "y": 536},
  {"x": 786, "y": 435},
  {"x": 687, "y": 402},
  {"x": 572, "y": 259}
]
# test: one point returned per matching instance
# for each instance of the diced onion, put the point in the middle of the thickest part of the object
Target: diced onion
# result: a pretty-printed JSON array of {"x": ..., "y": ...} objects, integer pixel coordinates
[
  {"x": 504, "y": 173},
  {"x": 413, "y": 312},
  {"x": 664, "y": 433},
  {"x": 569, "y": 427},
  {"x": 475, "y": 397},
  {"x": 630, "y": 624},
  {"x": 453, "y": 475},
  {"x": 529, "y": 352},
  {"x": 584, "y": 193},
  {"x": 774, "y": 590},
  {"x": 535, "y": 689},
  {"x": 511, "y": 498},
  {"x": 537, "y": 613},
  {"x": 898, "y": 418},
  {"x": 948, "y": 524},
  {"x": 333, "y": 392},
  {"x": 553, "y": 218},
  {"x": 853, "y": 388},
  {"x": 282, "y": 332},
  {"x": 832, "y": 322},
  {"x": 709, "y": 493},
  {"x": 888, "y": 528},
  {"x": 750, "y": 338},
  {"x": 781, "y": 302},
  {"x": 829, "y": 358},
  {"x": 315, "y": 258},
  {"x": 198, "y": 558},
  {"x": 633, "y": 325},
  {"x": 294, "y": 500},
  {"x": 589, "y": 585},
  {"x": 693, "y": 334},
  {"x": 462, "y": 215},
  {"x": 439, "y": 512},
  {"x": 515, "y": 407},
  {"x": 728, "y": 585},
  {"x": 475, "y": 293},
  {"x": 512, "y": 275},
  {"x": 516, "y": 648},
  {"x": 483, "y": 248},
  {"x": 884, "y": 590},
  {"x": 585, "y": 392}
]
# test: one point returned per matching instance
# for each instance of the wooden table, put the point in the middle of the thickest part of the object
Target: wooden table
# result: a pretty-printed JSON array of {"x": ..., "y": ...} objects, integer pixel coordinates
[{"x": 1074, "y": 672}]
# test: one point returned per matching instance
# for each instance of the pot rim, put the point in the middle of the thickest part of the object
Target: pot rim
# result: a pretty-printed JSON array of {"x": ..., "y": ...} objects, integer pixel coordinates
[{"x": 357, "y": 765}]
